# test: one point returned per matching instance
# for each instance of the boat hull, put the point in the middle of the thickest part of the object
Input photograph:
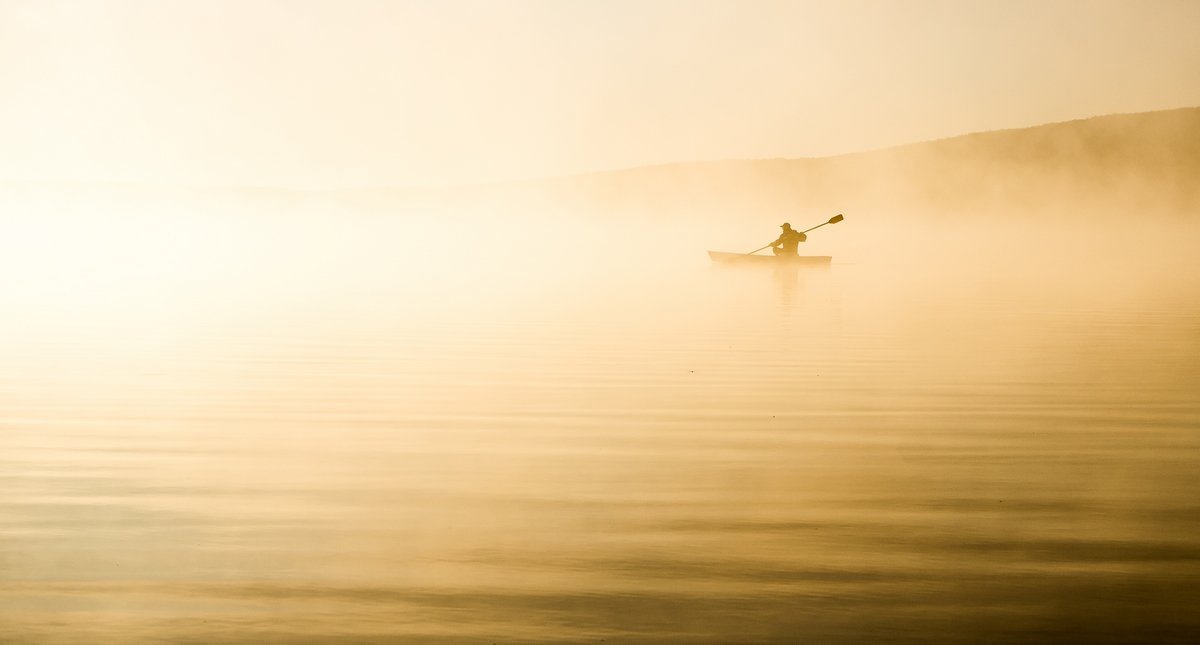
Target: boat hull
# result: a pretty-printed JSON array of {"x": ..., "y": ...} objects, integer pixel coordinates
[{"x": 769, "y": 260}]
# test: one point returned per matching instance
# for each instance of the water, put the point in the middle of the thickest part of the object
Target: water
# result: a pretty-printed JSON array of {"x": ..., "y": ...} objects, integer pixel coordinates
[{"x": 872, "y": 452}]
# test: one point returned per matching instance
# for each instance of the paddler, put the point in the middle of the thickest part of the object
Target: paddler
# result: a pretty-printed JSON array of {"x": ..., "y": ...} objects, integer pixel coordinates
[{"x": 788, "y": 240}]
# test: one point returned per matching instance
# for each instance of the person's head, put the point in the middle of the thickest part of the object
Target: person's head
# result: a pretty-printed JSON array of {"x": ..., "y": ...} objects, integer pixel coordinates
[{"x": 785, "y": 226}]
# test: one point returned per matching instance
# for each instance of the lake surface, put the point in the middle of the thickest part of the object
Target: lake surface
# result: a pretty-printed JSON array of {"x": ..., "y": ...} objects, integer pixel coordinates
[{"x": 872, "y": 452}]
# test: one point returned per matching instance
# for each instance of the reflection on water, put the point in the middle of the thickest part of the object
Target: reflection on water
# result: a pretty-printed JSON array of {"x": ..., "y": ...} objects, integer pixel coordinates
[{"x": 861, "y": 453}]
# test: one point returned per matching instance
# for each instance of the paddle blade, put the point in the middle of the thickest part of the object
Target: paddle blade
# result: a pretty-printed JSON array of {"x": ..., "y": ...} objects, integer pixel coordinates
[{"x": 836, "y": 218}]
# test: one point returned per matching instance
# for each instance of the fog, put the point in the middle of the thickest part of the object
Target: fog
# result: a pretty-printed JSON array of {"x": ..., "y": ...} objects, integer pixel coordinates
[
  {"x": 377, "y": 322},
  {"x": 538, "y": 412},
  {"x": 107, "y": 261},
  {"x": 1107, "y": 204}
]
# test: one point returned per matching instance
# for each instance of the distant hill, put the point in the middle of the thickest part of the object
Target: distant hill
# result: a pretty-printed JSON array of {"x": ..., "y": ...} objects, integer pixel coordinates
[
  {"x": 1140, "y": 162},
  {"x": 1126, "y": 163}
]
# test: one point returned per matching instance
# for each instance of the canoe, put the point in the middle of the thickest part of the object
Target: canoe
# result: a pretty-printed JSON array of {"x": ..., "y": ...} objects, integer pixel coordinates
[{"x": 764, "y": 260}]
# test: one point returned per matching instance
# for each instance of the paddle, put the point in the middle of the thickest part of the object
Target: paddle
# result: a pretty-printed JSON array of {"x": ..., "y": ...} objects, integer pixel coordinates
[{"x": 832, "y": 220}]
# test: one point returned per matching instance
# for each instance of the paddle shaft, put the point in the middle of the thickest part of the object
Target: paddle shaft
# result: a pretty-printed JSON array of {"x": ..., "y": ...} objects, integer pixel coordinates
[
  {"x": 836, "y": 218},
  {"x": 832, "y": 220}
]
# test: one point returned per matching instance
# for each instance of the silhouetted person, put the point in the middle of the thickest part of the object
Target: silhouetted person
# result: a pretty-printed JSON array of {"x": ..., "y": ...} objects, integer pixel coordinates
[{"x": 788, "y": 240}]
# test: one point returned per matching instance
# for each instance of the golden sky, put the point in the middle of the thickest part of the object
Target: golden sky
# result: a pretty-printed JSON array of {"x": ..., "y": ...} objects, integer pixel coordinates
[{"x": 353, "y": 92}]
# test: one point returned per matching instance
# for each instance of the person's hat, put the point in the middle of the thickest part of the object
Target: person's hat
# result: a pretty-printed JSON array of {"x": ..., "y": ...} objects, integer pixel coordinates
[{"x": 785, "y": 225}]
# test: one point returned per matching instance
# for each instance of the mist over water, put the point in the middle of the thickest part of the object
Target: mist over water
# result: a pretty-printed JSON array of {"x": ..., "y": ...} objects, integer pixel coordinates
[
  {"x": 314, "y": 423},
  {"x": 392, "y": 322}
]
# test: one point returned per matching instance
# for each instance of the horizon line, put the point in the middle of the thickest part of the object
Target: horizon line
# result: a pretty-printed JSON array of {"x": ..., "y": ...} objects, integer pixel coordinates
[{"x": 126, "y": 183}]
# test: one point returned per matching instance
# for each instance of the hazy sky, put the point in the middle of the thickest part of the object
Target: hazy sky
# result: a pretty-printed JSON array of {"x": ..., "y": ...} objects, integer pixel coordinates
[{"x": 352, "y": 92}]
